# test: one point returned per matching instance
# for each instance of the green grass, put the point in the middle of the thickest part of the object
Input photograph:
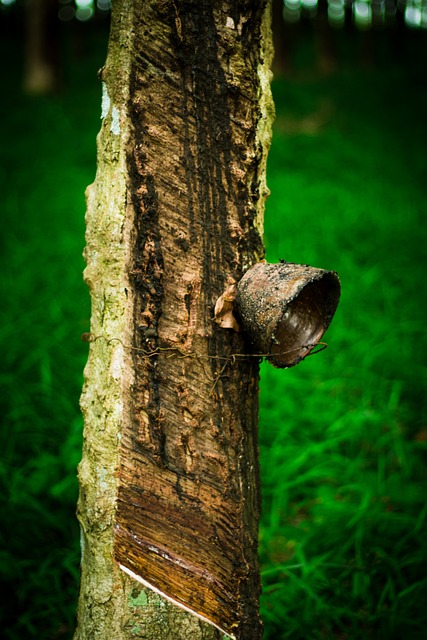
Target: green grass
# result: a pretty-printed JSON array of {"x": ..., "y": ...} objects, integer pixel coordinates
[
  {"x": 343, "y": 542},
  {"x": 47, "y": 160},
  {"x": 343, "y": 435}
]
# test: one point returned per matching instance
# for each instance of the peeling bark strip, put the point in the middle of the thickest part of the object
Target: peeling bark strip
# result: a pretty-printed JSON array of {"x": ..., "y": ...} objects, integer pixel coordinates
[{"x": 188, "y": 488}]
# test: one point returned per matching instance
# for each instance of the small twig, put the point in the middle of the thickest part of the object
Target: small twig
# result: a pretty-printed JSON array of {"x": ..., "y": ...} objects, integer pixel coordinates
[{"x": 217, "y": 378}]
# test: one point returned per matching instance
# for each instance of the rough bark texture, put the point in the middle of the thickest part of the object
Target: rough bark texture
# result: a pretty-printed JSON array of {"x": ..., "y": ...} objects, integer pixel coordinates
[{"x": 169, "y": 475}]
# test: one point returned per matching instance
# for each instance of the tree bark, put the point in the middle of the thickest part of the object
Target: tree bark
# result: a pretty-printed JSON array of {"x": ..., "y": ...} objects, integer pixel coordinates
[{"x": 169, "y": 486}]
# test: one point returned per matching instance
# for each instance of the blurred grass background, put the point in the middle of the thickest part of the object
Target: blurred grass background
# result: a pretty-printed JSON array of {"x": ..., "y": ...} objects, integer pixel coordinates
[{"x": 343, "y": 436}]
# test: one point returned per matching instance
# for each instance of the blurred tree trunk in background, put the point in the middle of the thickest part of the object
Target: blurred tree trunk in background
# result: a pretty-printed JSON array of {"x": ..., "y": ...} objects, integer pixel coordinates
[
  {"x": 281, "y": 41},
  {"x": 174, "y": 216},
  {"x": 41, "y": 56},
  {"x": 326, "y": 54},
  {"x": 287, "y": 39}
]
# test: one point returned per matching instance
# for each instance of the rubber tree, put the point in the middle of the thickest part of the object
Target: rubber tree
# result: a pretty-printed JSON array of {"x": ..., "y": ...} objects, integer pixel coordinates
[{"x": 169, "y": 488}]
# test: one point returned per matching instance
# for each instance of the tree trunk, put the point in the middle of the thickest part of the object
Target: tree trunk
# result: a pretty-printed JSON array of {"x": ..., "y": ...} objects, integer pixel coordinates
[
  {"x": 169, "y": 487},
  {"x": 41, "y": 55}
]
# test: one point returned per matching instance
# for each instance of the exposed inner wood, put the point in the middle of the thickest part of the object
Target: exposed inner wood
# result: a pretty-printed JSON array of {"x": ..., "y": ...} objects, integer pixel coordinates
[{"x": 188, "y": 488}]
